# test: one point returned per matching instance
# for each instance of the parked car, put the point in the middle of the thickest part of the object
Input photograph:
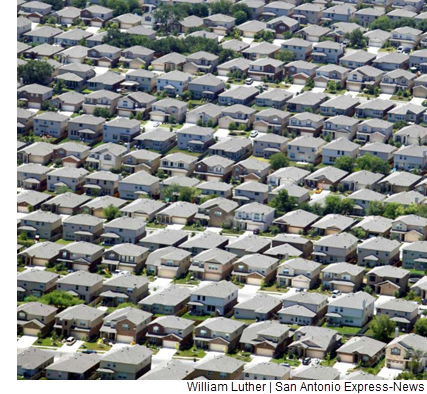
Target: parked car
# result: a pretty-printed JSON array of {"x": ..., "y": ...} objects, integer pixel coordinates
[
  {"x": 286, "y": 365},
  {"x": 89, "y": 351},
  {"x": 336, "y": 293},
  {"x": 253, "y": 134},
  {"x": 70, "y": 341},
  {"x": 306, "y": 361},
  {"x": 249, "y": 81},
  {"x": 256, "y": 231}
]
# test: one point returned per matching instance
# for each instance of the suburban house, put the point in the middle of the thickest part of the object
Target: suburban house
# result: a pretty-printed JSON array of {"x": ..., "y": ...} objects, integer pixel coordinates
[
  {"x": 169, "y": 301},
  {"x": 82, "y": 284},
  {"x": 344, "y": 277},
  {"x": 386, "y": 280},
  {"x": 335, "y": 248},
  {"x": 299, "y": 273},
  {"x": 35, "y": 318},
  {"x": 378, "y": 251}
]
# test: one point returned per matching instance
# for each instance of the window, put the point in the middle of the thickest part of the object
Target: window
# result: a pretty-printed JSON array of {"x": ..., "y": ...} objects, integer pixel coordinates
[{"x": 395, "y": 351}]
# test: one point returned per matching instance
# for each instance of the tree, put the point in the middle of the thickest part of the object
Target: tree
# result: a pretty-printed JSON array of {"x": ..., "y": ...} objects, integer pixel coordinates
[
  {"x": 393, "y": 209},
  {"x": 56, "y": 4},
  {"x": 332, "y": 86},
  {"x": 170, "y": 192},
  {"x": 345, "y": 163},
  {"x": 336, "y": 204},
  {"x": 63, "y": 189},
  {"x": 102, "y": 112},
  {"x": 415, "y": 363},
  {"x": 368, "y": 289},
  {"x": 119, "y": 7},
  {"x": 60, "y": 299},
  {"x": 358, "y": 232},
  {"x": 421, "y": 327},
  {"x": 285, "y": 55},
  {"x": 283, "y": 203},
  {"x": 400, "y": 124},
  {"x": 79, "y": 3},
  {"x": 111, "y": 212},
  {"x": 241, "y": 17},
  {"x": 265, "y": 35},
  {"x": 278, "y": 160},
  {"x": 35, "y": 71},
  {"x": 221, "y": 7},
  {"x": 59, "y": 86},
  {"x": 356, "y": 38},
  {"x": 382, "y": 23},
  {"x": 188, "y": 194},
  {"x": 382, "y": 327},
  {"x": 375, "y": 208},
  {"x": 374, "y": 164}
]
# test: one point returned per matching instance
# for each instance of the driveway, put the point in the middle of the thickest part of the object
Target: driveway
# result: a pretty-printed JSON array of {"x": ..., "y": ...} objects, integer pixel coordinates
[
  {"x": 323, "y": 194},
  {"x": 417, "y": 100},
  {"x": 162, "y": 356},
  {"x": 257, "y": 360},
  {"x": 318, "y": 90},
  {"x": 159, "y": 285},
  {"x": 25, "y": 341},
  {"x": 65, "y": 349},
  {"x": 295, "y": 89},
  {"x": 343, "y": 368},
  {"x": 388, "y": 373},
  {"x": 247, "y": 292},
  {"x": 373, "y": 50},
  {"x": 222, "y": 134},
  {"x": 174, "y": 227}
]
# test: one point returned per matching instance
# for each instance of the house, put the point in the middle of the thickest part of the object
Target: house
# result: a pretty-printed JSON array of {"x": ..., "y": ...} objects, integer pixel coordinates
[
  {"x": 144, "y": 208},
  {"x": 281, "y": 25},
  {"x": 317, "y": 372},
  {"x": 340, "y": 126},
  {"x": 335, "y": 248},
  {"x": 203, "y": 242},
  {"x": 220, "y": 368},
  {"x": 102, "y": 183},
  {"x": 25, "y": 121},
  {"x": 121, "y": 130},
  {"x": 266, "y": 69},
  {"x": 392, "y": 61},
  {"x": 300, "y": 71},
  {"x": 141, "y": 160},
  {"x": 35, "y": 11},
  {"x": 325, "y": 177},
  {"x": 139, "y": 183},
  {"x": 361, "y": 350},
  {"x": 406, "y": 198},
  {"x": 405, "y": 36},
  {"x": 375, "y": 225},
  {"x": 41, "y": 254},
  {"x": 376, "y": 108},
  {"x": 233, "y": 148},
  {"x": 398, "y": 352},
  {"x": 164, "y": 238},
  {"x": 68, "y": 15},
  {"x": 354, "y": 309},
  {"x": 344, "y": 277},
  {"x": 340, "y": 13},
  {"x": 386, "y": 280},
  {"x": 262, "y": 307},
  {"x": 40, "y": 224},
  {"x": 65, "y": 203},
  {"x": 50, "y": 124},
  {"x": 86, "y": 128},
  {"x": 300, "y": 48},
  {"x": 29, "y": 200},
  {"x": 366, "y": 16},
  {"x": 174, "y": 82},
  {"x": 299, "y": 273},
  {"x": 180, "y": 212},
  {"x": 419, "y": 89},
  {"x": 78, "y": 366},
  {"x": 219, "y": 23},
  {"x": 303, "y": 308},
  {"x": 96, "y": 206},
  {"x": 314, "y": 33},
  {"x": 279, "y": 8},
  {"x": 216, "y": 211},
  {"x": 266, "y": 370},
  {"x": 306, "y": 124},
  {"x": 207, "y": 114},
  {"x": 127, "y": 21},
  {"x": 126, "y": 363},
  {"x": 345, "y": 106},
  {"x": 341, "y": 30},
  {"x": 396, "y": 80},
  {"x": 214, "y": 168},
  {"x": 309, "y": 13},
  {"x": 409, "y": 228},
  {"x": 79, "y": 321},
  {"x": 32, "y": 361},
  {"x": 251, "y": 169},
  {"x": 315, "y": 342},
  {"x": 178, "y": 164},
  {"x": 251, "y": 191},
  {"x": 81, "y": 255},
  {"x": 195, "y": 138},
  {"x": 190, "y": 22},
  {"x": 96, "y": 15},
  {"x": 82, "y": 227},
  {"x": 171, "y": 61},
  {"x": 275, "y": 98},
  {"x": 255, "y": 269},
  {"x": 261, "y": 50},
  {"x": 339, "y": 148},
  {"x": 364, "y": 78},
  {"x": 160, "y": 140},
  {"x": 170, "y": 370},
  {"x": 287, "y": 175},
  {"x": 136, "y": 56},
  {"x": 296, "y": 222},
  {"x": 168, "y": 110},
  {"x": 242, "y": 95},
  {"x": 35, "y": 318},
  {"x": 170, "y": 332},
  {"x": 378, "y": 251},
  {"x": 140, "y": 79},
  {"x": 218, "y": 334},
  {"x": 410, "y": 157},
  {"x": 70, "y": 177},
  {"x": 125, "y": 257},
  {"x": 81, "y": 284},
  {"x": 200, "y": 62},
  {"x": 206, "y": 87},
  {"x": 414, "y": 255},
  {"x": 300, "y": 243},
  {"x": 399, "y": 182},
  {"x": 108, "y": 81},
  {"x": 265, "y": 338},
  {"x": 169, "y": 301},
  {"x": 215, "y": 298},
  {"x": 253, "y": 216},
  {"x": 35, "y": 95},
  {"x": 411, "y": 135},
  {"x": 123, "y": 230},
  {"x": 237, "y": 114},
  {"x": 269, "y": 144},
  {"x": 125, "y": 325},
  {"x": 328, "y": 52},
  {"x": 71, "y": 154},
  {"x": 235, "y": 45},
  {"x": 377, "y": 38},
  {"x": 362, "y": 180},
  {"x": 307, "y": 102},
  {"x": 305, "y": 149},
  {"x": 98, "y": 99},
  {"x": 212, "y": 264},
  {"x": 374, "y": 130},
  {"x": 331, "y": 73}
]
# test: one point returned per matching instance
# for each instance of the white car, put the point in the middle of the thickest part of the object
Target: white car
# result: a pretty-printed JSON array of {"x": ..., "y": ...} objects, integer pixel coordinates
[
  {"x": 157, "y": 124},
  {"x": 254, "y": 133},
  {"x": 70, "y": 341}
]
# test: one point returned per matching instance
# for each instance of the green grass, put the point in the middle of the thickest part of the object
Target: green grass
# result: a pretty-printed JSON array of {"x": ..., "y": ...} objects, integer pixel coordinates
[
  {"x": 195, "y": 317},
  {"x": 55, "y": 271},
  {"x": 95, "y": 346},
  {"x": 284, "y": 359},
  {"x": 397, "y": 98},
  {"x": 330, "y": 363},
  {"x": 155, "y": 225},
  {"x": 415, "y": 271},
  {"x": 275, "y": 288},
  {"x": 168, "y": 125},
  {"x": 48, "y": 342},
  {"x": 193, "y": 352},
  {"x": 63, "y": 241},
  {"x": 337, "y": 92},
  {"x": 239, "y": 355},
  {"x": 176, "y": 150},
  {"x": 193, "y": 227},
  {"x": 344, "y": 330},
  {"x": 186, "y": 280},
  {"x": 246, "y": 321},
  {"x": 231, "y": 232},
  {"x": 375, "y": 369}
]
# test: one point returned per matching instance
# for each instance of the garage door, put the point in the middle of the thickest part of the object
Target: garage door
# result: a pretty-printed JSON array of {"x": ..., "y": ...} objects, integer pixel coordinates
[
  {"x": 103, "y": 63},
  {"x": 300, "y": 283},
  {"x": 395, "y": 365},
  {"x": 31, "y": 331},
  {"x": 215, "y": 347},
  {"x": 179, "y": 220},
  {"x": 315, "y": 354},
  {"x": 39, "y": 262},
  {"x": 124, "y": 339},
  {"x": 170, "y": 344},
  {"x": 264, "y": 352},
  {"x": 299, "y": 81},
  {"x": 346, "y": 358},
  {"x": 80, "y": 267},
  {"x": 96, "y": 23},
  {"x": 22, "y": 209},
  {"x": 215, "y": 277},
  {"x": 320, "y": 84},
  {"x": 68, "y": 108},
  {"x": 254, "y": 281},
  {"x": 166, "y": 274},
  {"x": 78, "y": 335},
  {"x": 156, "y": 118}
]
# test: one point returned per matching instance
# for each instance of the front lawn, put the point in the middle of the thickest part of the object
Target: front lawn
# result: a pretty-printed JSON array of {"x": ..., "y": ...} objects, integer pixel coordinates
[
  {"x": 329, "y": 363},
  {"x": 231, "y": 232},
  {"x": 344, "y": 330},
  {"x": 63, "y": 241},
  {"x": 48, "y": 342},
  {"x": 397, "y": 98},
  {"x": 195, "y": 317},
  {"x": 176, "y": 150},
  {"x": 193, "y": 227},
  {"x": 284, "y": 359},
  {"x": 274, "y": 288},
  {"x": 186, "y": 280},
  {"x": 240, "y": 355},
  {"x": 95, "y": 346},
  {"x": 246, "y": 321},
  {"x": 374, "y": 369},
  {"x": 193, "y": 352},
  {"x": 155, "y": 225}
]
